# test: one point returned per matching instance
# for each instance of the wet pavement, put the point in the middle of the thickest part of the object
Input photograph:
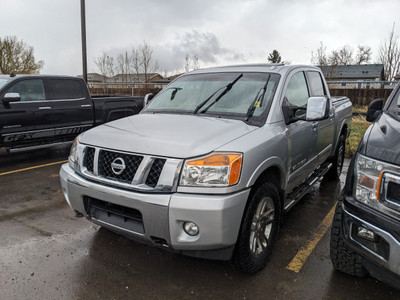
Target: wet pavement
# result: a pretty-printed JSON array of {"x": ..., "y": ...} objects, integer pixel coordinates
[{"x": 48, "y": 253}]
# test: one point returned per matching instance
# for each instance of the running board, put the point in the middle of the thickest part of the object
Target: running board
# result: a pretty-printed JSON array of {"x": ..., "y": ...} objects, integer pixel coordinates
[
  {"x": 303, "y": 188},
  {"x": 21, "y": 149}
]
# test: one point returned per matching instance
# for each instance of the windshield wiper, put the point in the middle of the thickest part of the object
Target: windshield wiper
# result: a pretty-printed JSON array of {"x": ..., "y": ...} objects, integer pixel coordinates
[
  {"x": 257, "y": 100},
  {"x": 226, "y": 90},
  {"x": 175, "y": 90}
]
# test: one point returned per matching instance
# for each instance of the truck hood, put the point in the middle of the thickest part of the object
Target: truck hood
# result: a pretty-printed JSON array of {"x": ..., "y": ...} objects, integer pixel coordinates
[
  {"x": 383, "y": 141},
  {"x": 178, "y": 136}
]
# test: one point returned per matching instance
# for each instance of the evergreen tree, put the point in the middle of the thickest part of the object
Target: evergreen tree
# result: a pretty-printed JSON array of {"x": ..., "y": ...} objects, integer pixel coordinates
[{"x": 275, "y": 57}]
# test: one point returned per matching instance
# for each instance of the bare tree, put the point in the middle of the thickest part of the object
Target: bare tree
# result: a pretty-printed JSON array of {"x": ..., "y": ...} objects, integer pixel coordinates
[
  {"x": 110, "y": 66},
  {"x": 196, "y": 64},
  {"x": 389, "y": 56},
  {"x": 191, "y": 64},
  {"x": 17, "y": 57},
  {"x": 136, "y": 63},
  {"x": 147, "y": 60},
  {"x": 363, "y": 55},
  {"x": 124, "y": 66},
  {"x": 105, "y": 64},
  {"x": 187, "y": 63},
  {"x": 100, "y": 63},
  {"x": 342, "y": 57},
  {"x": 319, "y": 58}
]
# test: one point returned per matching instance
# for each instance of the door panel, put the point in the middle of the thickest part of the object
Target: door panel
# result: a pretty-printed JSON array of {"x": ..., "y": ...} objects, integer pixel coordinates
[
  {"x": 302, "y": 135},
  {"x": 29, "y": 119},
  {"x": 326, "y": 131},
  {"x": 72, "y": 110},
  {"x": 302, "y": 139},
  {"x": 325, "y": 128}
]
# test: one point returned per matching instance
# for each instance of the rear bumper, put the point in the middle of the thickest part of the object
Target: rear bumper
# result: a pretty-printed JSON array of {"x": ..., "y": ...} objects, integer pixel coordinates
[
  {"x": 163, "y": 215},
  {"x": 380, "y": 257}
]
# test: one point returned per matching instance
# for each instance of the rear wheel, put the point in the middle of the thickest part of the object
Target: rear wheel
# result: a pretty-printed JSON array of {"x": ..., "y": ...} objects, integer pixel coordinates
[
  {"x": 259, "y": 229},
  {"x": 343, "y": 258},
  {"x": 337, "y": 160}
]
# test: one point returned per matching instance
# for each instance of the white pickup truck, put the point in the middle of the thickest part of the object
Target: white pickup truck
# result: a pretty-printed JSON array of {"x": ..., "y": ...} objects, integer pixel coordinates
[{"x": 210, "y": 165}]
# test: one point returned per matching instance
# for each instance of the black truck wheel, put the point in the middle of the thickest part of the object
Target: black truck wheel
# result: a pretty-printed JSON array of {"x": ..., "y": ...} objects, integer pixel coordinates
[
  {"x": 342, "y": 257},
  {"x": 337, "y": 160},
  {"x": 259, "y": 229}
]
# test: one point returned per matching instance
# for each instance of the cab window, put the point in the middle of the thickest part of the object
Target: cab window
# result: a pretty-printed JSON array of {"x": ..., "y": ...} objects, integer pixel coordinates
[
  {"x": 297, "y": 91},
  {"x": 29, "y": 90},
  {"x": 66, "y": 89},
  {"x": 316, "y": 84},
  {"x": 297, "y": 94}
]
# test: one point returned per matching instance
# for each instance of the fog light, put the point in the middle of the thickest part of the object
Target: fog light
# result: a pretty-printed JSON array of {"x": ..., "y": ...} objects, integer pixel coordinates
[
  {"x": 191, "y": 228},
  {"x": 366, "y": 234}
]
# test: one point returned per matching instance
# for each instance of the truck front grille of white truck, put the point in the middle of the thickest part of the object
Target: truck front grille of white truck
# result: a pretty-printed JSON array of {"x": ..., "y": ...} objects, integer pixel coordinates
[
  {"x": 131, "y": 164},
  {"x": 100, "y": 164}
]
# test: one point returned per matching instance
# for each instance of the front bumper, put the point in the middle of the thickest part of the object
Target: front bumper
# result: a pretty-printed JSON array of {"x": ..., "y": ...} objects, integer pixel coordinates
[
  {"x": 218, "y": 217},
  {"x": 380, "y": 257}
]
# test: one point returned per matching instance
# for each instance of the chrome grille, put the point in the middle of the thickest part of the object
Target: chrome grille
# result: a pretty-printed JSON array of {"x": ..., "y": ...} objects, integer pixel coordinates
[
  {"x": 108, "y": 158},
  {"x": 144, "y": 173},
  {"x": 155, "y": 172},
  {"x": 88, "y": 161}
]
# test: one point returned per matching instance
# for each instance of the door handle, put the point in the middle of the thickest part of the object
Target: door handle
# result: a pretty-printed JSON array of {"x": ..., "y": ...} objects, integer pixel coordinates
[
  {"x": 315, "y": 126},
  {"x": 86, "y": 105},
  {"x": 44, "y": 107}
]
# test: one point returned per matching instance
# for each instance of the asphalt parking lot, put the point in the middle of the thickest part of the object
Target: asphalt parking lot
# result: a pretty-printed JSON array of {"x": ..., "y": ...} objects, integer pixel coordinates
[{"x": 48, "y": 253}]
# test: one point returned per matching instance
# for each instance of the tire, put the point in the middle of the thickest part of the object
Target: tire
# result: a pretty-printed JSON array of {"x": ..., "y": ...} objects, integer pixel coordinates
[
  {"x": 259, "y": 229},
  {"x": 337, "y": 161},
  {"x": 343, "y": 258}
]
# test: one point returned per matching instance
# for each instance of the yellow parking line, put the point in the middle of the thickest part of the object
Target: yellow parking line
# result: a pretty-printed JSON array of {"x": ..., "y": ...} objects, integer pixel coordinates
[
  {"x": 34, "y": 167},
  {"x": 301, "y": 257}
]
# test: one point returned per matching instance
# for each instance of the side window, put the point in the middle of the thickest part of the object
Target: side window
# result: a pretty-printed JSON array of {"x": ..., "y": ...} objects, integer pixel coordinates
[
  {"x": 297, "y": 91},
  {"x": 65, "y": 89},
  {"x": 29, "y": 90},
  {"x": 316, "y": 84}
]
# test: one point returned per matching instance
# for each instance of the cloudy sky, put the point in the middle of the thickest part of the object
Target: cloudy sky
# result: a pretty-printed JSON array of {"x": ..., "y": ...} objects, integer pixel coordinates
[{"x": 218, "y": 32}]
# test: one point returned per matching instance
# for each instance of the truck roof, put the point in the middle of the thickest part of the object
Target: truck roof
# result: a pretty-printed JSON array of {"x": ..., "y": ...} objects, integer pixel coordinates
[
  {"x": 15, "y": 76},
  {"x": 269, "y": 68}
]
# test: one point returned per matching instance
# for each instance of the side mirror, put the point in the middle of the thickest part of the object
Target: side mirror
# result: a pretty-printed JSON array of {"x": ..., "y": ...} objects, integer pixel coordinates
[
  {"x": 317, "y": 108},
  {"x": 147, "y": 99},
  {"x": 11, "y": 97},
  {"x": 374, "y": 110}
]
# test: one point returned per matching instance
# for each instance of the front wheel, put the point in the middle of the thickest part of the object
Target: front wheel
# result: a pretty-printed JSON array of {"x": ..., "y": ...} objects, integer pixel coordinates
[
  {"x": 337, "y": 160},
  {"x": 259, "y": 229},
  {"x": 342, "y": 257}
]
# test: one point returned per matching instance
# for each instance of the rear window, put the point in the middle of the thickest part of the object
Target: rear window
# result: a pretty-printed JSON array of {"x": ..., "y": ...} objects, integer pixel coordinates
[
  {"x": 66, "y": 89},
  {"x": 316, "y": 84}
]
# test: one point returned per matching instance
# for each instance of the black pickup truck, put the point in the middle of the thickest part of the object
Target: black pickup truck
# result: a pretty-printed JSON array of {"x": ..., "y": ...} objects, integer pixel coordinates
[
  {"x": 365, "y": 236},
  {"x": 37, "y": 111}
]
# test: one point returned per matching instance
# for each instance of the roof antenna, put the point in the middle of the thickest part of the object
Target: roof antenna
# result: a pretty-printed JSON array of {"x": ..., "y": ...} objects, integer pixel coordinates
[{"x": 12, "y": 75}]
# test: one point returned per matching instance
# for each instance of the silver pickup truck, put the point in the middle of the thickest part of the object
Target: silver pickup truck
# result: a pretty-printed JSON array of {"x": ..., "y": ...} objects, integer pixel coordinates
[{"x": 212, "y": 163}]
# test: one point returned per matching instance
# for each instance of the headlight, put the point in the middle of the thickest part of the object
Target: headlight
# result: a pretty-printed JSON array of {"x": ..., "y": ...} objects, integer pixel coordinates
[
  {"x": 216, "y": 169},
  {"x": 73, "y": 154},
  {"x": 368, "y": 177}
]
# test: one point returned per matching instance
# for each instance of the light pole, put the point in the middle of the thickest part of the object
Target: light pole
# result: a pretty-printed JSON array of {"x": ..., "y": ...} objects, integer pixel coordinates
[{"x": 83, "y": 33}]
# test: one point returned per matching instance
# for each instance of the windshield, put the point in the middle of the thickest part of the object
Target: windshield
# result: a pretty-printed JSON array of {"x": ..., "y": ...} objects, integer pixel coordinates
[
  {"x": 3, "y": 82},
  {"x": 221, "y": 94}
]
